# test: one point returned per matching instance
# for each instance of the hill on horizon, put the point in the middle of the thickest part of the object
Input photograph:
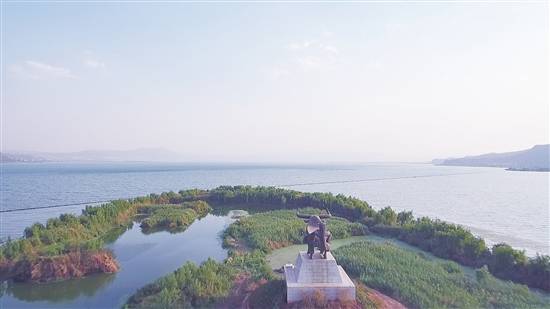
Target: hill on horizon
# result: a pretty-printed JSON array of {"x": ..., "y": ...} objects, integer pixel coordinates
[
  {"x": 536, "y": 158},
  {"x": 142, "y": 154}
]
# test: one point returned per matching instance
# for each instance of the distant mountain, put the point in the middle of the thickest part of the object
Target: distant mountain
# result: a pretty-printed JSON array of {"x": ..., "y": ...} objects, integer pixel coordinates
[
  {"x": 17, "y": 157},
  {"x": 142, "y": 154},
  {"x": 533, "y": 159}
]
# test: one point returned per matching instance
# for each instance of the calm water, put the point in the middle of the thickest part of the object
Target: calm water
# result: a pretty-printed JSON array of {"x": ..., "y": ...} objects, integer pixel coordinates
[
  {"x": 496, "y": 204},
  {"x": 143, "y": 258}
]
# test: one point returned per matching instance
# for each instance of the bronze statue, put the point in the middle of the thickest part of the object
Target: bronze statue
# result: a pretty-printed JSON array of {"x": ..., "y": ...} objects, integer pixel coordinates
[{"x": 317, "y": 236}]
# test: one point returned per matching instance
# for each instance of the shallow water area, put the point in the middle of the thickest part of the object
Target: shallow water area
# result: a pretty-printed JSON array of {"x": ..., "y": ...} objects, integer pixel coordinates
[{"x": 142, "y": 258}]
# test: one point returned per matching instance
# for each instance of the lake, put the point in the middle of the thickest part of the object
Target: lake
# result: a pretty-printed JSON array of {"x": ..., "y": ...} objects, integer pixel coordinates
[
  {"x": 498, "y": 205},
  {"x": 142, "y": 258}
]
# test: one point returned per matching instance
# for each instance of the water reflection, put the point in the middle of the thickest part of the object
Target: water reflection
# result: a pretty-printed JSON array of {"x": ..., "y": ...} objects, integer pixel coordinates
[
  {"x": 57, "y": 292},
  {"x": 143, "y": 259}
]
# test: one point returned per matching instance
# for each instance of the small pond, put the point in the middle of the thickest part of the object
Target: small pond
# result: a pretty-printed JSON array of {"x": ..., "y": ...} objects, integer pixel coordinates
[{"x": 143, "y": 258}]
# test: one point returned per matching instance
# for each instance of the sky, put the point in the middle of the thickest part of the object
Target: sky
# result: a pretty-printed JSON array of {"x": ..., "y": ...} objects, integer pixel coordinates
[{"x": 300, "y": 82}]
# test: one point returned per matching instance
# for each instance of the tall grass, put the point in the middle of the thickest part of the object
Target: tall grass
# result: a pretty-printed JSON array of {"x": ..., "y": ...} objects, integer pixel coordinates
[
  {"x": 188, "y": 286},
  {"x": 174, "y": 218},
  {"x": 420, "y": 283},
  {"x": 202, "y": 286},
  {"x": 275, "y": 229}
]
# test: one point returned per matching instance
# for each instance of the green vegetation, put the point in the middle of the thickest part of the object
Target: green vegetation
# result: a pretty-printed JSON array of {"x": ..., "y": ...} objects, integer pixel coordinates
[
  {"x": 362, "y": 294},
  {"x": 174, "y": 218},
  {"x": 88, "y": 232},
  {"x": 269, "y": 198},
  {"x": 253, "y": 263},
  {"x": 420, "y": 283},
  {"x": 451, "y": 241},
  {"x": 189, "y": 286},
  {"x": 202, "y": 286},
  {"x": 275, "y": 229},
  {"x": 510, "y": 264},
  {"x": 445, "y": 240},
  {"x": 69, "y": 232},
  {"x": 269, "y": 295}
]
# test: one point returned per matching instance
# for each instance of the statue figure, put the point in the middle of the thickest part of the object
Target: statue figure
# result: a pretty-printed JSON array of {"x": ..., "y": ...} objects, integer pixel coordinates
[{"x": 317, "y": 236}]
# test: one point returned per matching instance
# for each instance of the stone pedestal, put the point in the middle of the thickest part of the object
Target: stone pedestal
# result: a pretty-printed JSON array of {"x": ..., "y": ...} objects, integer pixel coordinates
[{"x": 317, "y": 274}]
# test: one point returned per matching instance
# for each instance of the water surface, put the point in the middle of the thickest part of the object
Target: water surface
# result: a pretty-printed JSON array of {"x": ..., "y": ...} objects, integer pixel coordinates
[{"x": 143, "y": 259}]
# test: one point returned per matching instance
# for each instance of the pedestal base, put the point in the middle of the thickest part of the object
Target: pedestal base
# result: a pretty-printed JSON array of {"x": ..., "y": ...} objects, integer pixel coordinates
[{"x": 317, "y": 274}]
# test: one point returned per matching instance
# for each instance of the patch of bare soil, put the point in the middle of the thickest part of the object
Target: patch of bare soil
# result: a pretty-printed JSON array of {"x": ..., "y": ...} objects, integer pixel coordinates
[
  {"x": 243, "y": 287},
  {"x": 385, "y": 301},
  {"x": 371, "y": 298},
  {"x": 71, "y": 265}
]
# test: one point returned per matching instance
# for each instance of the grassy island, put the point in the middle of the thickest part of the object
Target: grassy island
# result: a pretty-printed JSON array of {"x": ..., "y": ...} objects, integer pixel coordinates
[
  {"x": 174, "y": 218},
  {"x": 77, "y": 242},
  {"x": 445, "y": 240},
  {"x": 409, "y": 277},
  {"x": 72, "y": 246},
  {"x": 69, "y": 242}
]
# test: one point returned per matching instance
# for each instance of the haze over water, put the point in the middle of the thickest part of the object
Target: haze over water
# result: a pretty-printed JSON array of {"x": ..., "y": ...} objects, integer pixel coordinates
[{"x": 498, "y": 205}]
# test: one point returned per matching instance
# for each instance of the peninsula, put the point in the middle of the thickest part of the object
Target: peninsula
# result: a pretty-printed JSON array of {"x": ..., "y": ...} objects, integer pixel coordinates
[{"x": 536, "y": 158}]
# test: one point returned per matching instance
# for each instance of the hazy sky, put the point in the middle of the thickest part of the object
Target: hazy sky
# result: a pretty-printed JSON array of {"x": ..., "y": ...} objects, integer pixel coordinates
[{"x": 277, "y": 82}]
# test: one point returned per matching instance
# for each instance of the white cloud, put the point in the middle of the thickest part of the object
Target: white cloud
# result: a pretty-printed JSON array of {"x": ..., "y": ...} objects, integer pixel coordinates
[
  {"x": 300, "y": 45},
  {"x": 94, "y": 63},
  {"x": 310, "y": 62},
  {"x": 329, "y": 48},
  {"x": 31, "y": 69},
  {"x": 277, "y": 73},
  {"x": 312, "y": 46},
  {"x": 307, "y": 55},
  {"x": 90, "y": 60},
  {"x": 314, "y": 54}
]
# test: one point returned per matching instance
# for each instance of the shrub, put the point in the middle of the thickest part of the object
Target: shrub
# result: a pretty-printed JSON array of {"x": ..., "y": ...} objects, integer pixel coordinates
[
  {"x": 421, "y": 283},
  {"x": 189, "y": 285},
  {"x": 274, "y": 229}
]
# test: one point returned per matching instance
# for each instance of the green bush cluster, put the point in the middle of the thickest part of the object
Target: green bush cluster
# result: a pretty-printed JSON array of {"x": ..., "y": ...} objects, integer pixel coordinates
[
  {"x": 274, "y": 229},
  {"x": 89, "y": 230},
  {"x": 420, "y": 283},
  {"x": 187, "y": 287},
  {"x": 445, "y": 240},
  {"x": 266, "y": 198},
  {"x": 174, "y": 218},
  {"x": 202, "y": 286},
  {"x": 200, "y": 207},
  {"x": 510, "y": 264},
  {"x": 69, "y": 232},
  {"x": 171, "y": 197},
  {"x": 454, "y": 242},
  {"x": 272, "y": 294},
  {"x": 253, "y": 263},
  {"x": 171, "y": 218}
]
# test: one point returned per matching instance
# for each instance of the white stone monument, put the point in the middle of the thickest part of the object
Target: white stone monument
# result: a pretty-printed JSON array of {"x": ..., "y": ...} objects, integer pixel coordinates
[{"x": 317, "y": 274}]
